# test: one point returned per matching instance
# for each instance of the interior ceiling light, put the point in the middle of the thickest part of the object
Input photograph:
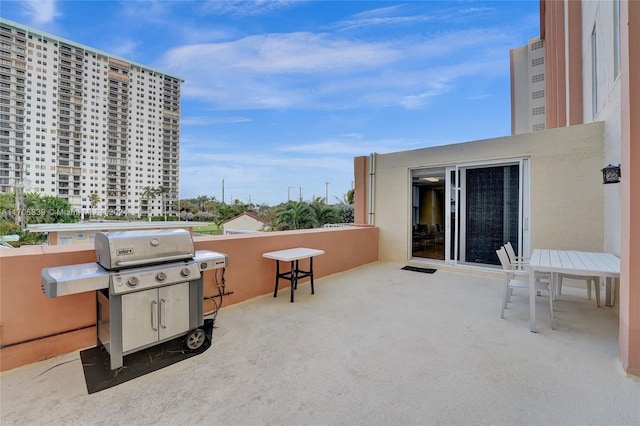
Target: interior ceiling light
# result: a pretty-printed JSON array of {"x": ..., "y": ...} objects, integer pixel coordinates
[{"x": 431, "y": 179}]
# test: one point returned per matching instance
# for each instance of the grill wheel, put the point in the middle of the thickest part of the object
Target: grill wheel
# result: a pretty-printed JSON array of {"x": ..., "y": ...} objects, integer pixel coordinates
[{"x": 195, "y": 339}]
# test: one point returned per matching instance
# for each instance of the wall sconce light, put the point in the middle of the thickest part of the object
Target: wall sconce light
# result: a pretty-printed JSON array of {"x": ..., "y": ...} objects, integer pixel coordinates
[{"x": 611, "y": 174}]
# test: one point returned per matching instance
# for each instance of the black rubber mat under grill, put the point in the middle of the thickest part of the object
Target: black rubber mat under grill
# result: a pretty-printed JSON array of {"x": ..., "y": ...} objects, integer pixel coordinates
[{"x": 97, "y": 369}]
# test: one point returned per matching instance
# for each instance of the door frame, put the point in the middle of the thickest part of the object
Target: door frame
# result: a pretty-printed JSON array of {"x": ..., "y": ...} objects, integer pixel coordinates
[{"x": 457, "y": 204}]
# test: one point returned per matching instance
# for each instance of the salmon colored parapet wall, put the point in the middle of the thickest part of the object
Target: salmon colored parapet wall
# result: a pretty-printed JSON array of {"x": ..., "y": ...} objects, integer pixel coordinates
[{"x": 34, "y": 327}]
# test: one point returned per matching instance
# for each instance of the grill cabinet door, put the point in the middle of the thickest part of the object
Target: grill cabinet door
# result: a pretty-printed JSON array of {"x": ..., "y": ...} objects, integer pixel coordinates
[
  {"x": 153, "y": 315},
  {"x": 173, "y": 305},
  {"x": 139, "y": 319}
]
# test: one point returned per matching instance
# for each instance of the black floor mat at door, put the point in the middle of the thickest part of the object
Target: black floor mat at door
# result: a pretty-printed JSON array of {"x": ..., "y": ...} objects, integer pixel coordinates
[
  {"x": 418, "y": 269},
  {"x": 99, "y": 376}
]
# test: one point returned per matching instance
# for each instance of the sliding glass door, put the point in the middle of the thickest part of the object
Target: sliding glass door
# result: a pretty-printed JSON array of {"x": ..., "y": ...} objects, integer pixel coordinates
[
  {"x": 490, "y": 207},
  {"x": 485, "y": 205}
]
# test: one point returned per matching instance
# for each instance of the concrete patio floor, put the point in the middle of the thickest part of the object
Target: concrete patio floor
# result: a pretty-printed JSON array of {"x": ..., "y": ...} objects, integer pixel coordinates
[{"x": 374, "y": 346}]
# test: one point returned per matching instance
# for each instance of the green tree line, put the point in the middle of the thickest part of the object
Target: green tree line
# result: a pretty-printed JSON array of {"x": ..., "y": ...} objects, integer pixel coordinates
[
  {"x": 285, "y": 216},
  {"x": 36, "y": 209}
]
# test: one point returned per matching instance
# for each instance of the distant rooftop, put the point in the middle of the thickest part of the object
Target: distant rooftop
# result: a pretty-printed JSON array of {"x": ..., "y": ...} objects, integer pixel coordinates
[{"x": 110, "y": 225}]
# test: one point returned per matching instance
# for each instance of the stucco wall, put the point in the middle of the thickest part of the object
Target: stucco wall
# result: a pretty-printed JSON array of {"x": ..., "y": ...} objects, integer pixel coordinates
[
  {"x": 599, "y": 15},
  {"x": 566, "y": 186},
  {"x": 34, "y": 327},
  {"x": 610, "y": 115}
]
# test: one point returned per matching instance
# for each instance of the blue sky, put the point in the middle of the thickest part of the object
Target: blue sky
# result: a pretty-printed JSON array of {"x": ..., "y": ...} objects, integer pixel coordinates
[{"x": 280, "y": 96}]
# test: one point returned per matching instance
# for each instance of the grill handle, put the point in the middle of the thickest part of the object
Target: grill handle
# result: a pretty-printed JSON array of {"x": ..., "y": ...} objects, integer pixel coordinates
[
  {"x": 139, "y": 262},
  {"x": 154, "y": 315},
  {"x": 163, "y": 313}
]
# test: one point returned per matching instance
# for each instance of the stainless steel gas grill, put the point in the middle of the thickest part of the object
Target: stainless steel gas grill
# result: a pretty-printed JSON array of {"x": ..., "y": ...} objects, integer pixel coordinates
[{"x": 149, "y": 287}]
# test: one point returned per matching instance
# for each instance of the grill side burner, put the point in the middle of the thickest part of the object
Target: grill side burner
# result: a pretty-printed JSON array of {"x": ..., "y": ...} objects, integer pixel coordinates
[{"x": 149, "y": 288}]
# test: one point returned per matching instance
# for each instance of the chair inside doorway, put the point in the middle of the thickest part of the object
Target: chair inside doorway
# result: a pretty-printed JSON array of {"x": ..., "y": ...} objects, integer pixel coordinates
[
  {"x": 428, "y": 241},
  {"x": 428, "y": 235}
]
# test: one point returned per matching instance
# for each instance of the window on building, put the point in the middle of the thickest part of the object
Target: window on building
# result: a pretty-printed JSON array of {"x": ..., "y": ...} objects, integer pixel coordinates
[
  {"x": 537, "y": 111},
  {"x": 594, "y": 72},
  {"x": 616, "y": 38}
]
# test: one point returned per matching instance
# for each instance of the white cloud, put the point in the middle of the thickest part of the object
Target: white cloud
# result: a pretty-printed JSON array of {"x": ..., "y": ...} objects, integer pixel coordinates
[
  {"x": 408, "y": 14},
  {"x": 471, "y": 42},
  {"x": 40, "y": 12},
  {"x": 273, "y": 71},
  {"x": 349, "y": 145},
  {"x": 327, "y": 71},
  {"x": 385, "y": 16},
  {"x": 244, "y": 7},
  {"x": 153, "y": 11},
  {"x": 264, "y": 160},
  {"x": 124, "y": 49},
  {"x": 280, "y": 53},
  {"x": 418, "y": 101},
  {"x": 206, "y": 121}
]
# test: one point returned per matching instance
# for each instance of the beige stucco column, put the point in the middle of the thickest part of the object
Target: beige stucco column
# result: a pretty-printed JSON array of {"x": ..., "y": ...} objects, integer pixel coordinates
[{"x": 629, "y": 336}]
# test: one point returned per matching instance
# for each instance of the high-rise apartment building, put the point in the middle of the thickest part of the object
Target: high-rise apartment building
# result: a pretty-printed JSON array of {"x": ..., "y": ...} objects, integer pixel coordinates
[
  {"x": 75, "y": 121},
  {"x": 528, "y": 95}
]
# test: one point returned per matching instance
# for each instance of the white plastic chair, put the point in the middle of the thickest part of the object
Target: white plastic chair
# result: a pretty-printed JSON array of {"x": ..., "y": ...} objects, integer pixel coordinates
[
  {"x": 520, "y": 261},
  {"x": 517, "y": 278},
  {"x": 589, "y": 280}
]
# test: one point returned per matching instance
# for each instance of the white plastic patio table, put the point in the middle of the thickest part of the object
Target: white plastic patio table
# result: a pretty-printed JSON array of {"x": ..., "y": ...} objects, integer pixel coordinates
[
  {"x": 572, "y": 262},
  {"x": 293, "y": 255}
]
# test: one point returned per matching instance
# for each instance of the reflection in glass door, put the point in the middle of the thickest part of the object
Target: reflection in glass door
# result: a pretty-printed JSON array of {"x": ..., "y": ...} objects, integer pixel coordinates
[
  {"x": 452, "y": 223},
  {"x": 491, "y": 211}
]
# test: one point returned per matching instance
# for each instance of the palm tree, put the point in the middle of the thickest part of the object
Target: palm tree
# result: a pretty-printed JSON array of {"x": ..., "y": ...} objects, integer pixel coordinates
[
  {"x": 149, "y": 192},
  {"x": 223, "y": 213},
  {"x": 324, "y": 213},
  {"x": 188, "y": 206},
  {"x": 163, "y": 191},
  {"x": 201, "y": 200},
  {"x": 272, "y": 221},
  {"x": 94, "y": 199},
  {"x": 297, "y": 215},
  {"x": 347, "y": 198}
]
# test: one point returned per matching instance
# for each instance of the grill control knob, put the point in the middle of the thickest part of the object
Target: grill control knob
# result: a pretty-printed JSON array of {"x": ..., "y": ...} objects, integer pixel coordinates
[
  {"x": 133, "y": 281},
  {"x": 185, "y": 272},
  {"x": 161, "y": 276}
]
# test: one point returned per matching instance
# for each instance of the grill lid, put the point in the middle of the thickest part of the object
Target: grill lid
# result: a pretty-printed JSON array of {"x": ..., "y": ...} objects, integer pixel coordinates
[{"x": 127, "y": 249}]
